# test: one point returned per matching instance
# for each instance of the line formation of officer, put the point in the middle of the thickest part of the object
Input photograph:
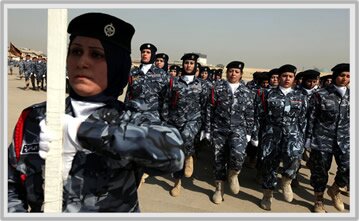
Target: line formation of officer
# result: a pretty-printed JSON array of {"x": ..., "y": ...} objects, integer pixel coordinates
[
  {"x": 274, "y": 119},
  {"x": 260, "y": 124},
  {"x": 34, "y": 70}
]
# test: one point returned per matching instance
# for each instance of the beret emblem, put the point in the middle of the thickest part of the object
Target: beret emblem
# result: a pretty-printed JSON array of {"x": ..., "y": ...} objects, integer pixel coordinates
[{"x": 109, "y": 30}]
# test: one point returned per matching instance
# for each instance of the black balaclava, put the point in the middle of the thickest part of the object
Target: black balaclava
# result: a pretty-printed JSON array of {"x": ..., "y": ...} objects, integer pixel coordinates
[{"x": 118, "y": 69}]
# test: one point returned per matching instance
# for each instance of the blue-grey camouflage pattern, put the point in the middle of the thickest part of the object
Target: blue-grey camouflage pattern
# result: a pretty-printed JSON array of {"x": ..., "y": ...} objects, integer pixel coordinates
[
  {"x": 328, "y": 130},
  {"x": 252, "y": 85},
  {"x": 21, "y": 67},
  {"x": 329, "y": 120},
  {"x": 146, "y": 92},
  {"x": 283, "y": 133},
  {"x": 185, "y": 108},
  {"x": 259, "y": 124},
  {"x": 105, "y": 174},
  {"x": 40, "y": 69},
  {"x": 28, "y": 68},
  {"x": 230, "y": 118},
  {"x": 320, "y": 163}
]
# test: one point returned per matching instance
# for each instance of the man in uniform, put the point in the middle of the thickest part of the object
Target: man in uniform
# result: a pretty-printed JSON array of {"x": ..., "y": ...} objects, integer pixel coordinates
[
  {"x": 187, "y": 99},
  {"x": 328, "y": 136}
]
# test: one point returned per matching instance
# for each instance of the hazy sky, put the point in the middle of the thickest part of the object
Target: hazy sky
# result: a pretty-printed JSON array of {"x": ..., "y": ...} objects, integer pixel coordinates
[{"x": 261, "y": 38}]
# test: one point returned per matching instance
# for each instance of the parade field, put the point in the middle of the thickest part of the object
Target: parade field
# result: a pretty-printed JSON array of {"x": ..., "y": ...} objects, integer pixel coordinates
[{"x": 197, "y": 191}]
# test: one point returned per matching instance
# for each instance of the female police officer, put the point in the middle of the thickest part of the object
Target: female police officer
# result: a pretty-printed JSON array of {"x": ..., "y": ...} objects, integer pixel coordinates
[
  {"x": 283, "y": 134},
  {"x": 102, "y": 157},
  {"x": 328, "y": 136},
  {"x": 230, "y": 116}
]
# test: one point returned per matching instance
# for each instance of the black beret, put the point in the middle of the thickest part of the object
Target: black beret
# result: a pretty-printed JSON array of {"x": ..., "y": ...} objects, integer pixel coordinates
[
  {"x": 299, "y": 75},
  {"x": 262, "y": 76},
  {"x": 274, "y": 71},
  {"x": 235, "y": 64},
  {"x": 256, "y": 75},
  {"x": 148, "y": 46},
  {"x": 310, "y": 74},
  {"x": 175, "y": 67},
  {"x": 205, "y": 68},
  {"x": 162, "y": 55},
  {"x": 325, "y": 77},
  {"x": 287, "y": 68},
  {"x": 104, "y": 27},
  {"x": 218, "y": 72},
  {"x": 190, "y": 56},
  {"x": 339, "y": 68}
]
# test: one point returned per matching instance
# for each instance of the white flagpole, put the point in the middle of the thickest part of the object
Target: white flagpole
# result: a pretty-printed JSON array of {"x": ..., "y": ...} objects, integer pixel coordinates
[{"x": 56, "y": 69}]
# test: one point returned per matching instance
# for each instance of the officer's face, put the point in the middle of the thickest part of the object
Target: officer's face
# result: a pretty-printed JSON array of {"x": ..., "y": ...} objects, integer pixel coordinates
[
  {"x": 173, "y": 73},
  {"x": 197, "y": 72},
  {"x": 204, "y": 75},
  {"x": 327, "y": 82},
  {"x": 265, "y": 84},
  {"x": 286, "y": 79},
  {"x": 160, "y": 62},
  {"x": 342, "y": 79},
  {"x": 234, "y": 75},
  {"x": 188, "y": 66},
  {"x": 87, "y": 66},
  {"x": 310, "y": 83},
  {"x": 146, "y": 55},
  {"x": 274, "y": 80}
]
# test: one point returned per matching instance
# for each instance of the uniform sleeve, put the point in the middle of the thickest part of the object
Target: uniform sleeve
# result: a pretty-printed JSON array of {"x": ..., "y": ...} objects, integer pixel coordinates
[
  {"x": 259, "y": 112},
  {"x": 33, "y": 67},
  {"x": 164, "y": 97},
  {"x": 204, "y": 101},
  {"x": 303, "y": 117},
  {"x": 249, "y": 114},
  {"x": 211, "y": 101},
  {"x": 312, "y": 108},
  {"x": 156, "y": 148}
]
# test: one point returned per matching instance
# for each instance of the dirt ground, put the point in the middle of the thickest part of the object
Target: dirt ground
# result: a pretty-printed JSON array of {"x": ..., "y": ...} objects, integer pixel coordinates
[{"x": 195, "y": 198}]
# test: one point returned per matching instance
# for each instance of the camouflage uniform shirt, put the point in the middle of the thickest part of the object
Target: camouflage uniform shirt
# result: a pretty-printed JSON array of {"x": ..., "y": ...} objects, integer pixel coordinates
[
  {"x": 186, "y": 105},
  {"x": 146, "y": 92},
  {"x": 329, "y": 120},
  {"x": 230, "y": 118}
]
